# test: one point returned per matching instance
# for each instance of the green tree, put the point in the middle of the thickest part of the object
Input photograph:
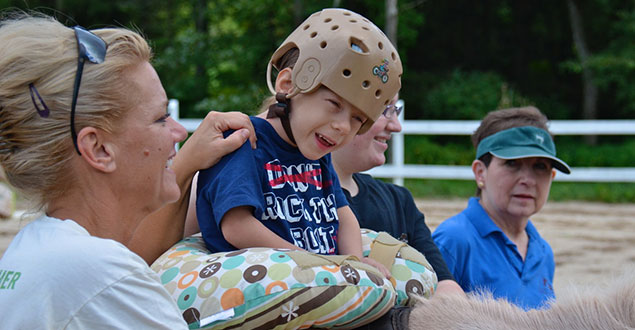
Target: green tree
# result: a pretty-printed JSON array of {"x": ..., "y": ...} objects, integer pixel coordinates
[{"x": 213, "y": 54}]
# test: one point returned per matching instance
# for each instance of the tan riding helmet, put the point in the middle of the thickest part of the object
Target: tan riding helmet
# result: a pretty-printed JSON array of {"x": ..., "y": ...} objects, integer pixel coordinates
[{"x": 347, "y": 53}]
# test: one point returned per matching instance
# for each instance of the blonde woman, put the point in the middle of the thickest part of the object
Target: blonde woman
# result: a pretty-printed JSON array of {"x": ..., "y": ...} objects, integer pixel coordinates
[{"x": 84, "y": 133}]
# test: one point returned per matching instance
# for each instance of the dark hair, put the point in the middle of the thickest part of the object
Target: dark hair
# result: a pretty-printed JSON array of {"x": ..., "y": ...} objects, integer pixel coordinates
[
  {"x": 287, "y": 60},
  {"x": 500, "y": 120}
]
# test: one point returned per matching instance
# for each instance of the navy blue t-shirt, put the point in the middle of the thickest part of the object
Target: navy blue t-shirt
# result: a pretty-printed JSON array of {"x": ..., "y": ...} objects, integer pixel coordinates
[
  {"x": 295, "y": 197},
  {"x": 383, "y": 206}
]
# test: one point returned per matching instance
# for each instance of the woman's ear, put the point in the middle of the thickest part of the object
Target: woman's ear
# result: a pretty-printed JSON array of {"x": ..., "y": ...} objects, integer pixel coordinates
[
  {"x": 480, "y": 172},
  {"x": 553, "y": 173},
  {"x": 96, "y": 151},
  {"x": 284, "y": 81}
]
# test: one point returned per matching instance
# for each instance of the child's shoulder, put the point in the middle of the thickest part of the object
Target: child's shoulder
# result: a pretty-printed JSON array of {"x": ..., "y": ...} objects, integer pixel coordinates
[
  {"x": 258, "y": 121},
  {"x": 262, "y": 126},
  {"x": 268, "y": 137}
]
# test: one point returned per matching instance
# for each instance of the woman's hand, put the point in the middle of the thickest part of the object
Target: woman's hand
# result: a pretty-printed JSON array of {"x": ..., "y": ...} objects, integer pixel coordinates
[
  {"x": 377, "y": 265},
  {"x": 207, "y": 145}
]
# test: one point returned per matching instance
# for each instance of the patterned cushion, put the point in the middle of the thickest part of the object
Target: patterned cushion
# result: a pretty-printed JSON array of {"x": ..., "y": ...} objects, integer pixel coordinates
[
  {"x": 261, "y": 288},
  {"x": 411, "y": 272}
]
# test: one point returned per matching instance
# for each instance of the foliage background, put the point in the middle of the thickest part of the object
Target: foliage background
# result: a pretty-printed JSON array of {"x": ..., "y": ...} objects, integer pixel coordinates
[{"x": 461, "y": 59}]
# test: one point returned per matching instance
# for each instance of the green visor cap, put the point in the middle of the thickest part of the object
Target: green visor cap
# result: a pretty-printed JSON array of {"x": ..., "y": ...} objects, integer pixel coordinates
[{"x": 522, "y": 142}]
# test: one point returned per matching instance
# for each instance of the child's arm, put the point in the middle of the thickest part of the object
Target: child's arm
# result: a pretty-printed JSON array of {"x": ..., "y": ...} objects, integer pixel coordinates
[
  {"x": 349, "y": 238},
  {"x": 191, "y": 221},
  {"x": 242, "y": 230}
]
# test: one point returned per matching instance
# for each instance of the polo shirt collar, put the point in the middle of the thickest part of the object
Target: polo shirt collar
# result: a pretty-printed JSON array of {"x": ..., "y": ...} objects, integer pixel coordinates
[
  {"x": 484, "y": 224},
  {"x": 531, "y": 231},
  {"x": 480, "y": 219}
]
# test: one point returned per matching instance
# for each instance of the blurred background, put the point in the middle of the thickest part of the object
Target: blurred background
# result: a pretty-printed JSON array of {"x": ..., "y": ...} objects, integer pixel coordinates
[{"x": 573, "y": 59}]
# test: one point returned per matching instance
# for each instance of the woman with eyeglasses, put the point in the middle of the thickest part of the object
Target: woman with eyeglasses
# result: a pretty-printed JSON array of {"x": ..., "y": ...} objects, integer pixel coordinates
[
  {"x": 84, "y": 135},
  {"x": 492, "y": 244},
  {"x": 383, "y": 206}
]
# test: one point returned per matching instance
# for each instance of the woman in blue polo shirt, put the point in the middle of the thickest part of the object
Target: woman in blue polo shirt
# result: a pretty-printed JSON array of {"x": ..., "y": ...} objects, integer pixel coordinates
[{"x": 492, "y": 245}]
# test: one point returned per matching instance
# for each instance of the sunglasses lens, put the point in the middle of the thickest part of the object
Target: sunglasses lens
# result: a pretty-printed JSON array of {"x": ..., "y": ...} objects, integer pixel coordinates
[{"x": 91, "y": 47}]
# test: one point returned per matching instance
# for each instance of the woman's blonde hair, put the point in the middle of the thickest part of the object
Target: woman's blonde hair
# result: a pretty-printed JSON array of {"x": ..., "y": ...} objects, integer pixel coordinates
[{"x": 35, "y": 152}]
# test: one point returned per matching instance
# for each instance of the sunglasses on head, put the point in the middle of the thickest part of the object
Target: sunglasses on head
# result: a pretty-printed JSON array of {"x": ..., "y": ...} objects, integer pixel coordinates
[{"x": 91, "y": 48}]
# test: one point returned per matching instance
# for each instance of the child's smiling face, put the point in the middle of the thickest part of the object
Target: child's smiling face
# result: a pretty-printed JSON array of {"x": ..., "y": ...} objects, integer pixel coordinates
[{"x": 322, "y": 122}]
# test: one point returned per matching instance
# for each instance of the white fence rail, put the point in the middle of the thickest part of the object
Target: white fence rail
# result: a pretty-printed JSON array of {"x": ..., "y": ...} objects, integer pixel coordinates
[{"x": 398, "y": 170}]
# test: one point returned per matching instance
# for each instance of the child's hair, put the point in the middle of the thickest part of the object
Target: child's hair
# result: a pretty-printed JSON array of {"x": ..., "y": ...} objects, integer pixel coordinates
[
  {"x": 345, "y": 52},
  {"x": 36, "y": 151},
  {"x": 287, "y": 60}
]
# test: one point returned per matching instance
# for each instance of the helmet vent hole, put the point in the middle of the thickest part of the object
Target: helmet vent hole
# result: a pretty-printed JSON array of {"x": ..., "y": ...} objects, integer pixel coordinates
[
  {"x": 347, "y": 14},
  {"x": 306, "y": 27},
  {"x": 323, "y": 44},
  {"x": 378, "y": 93},
  {"x": 365, "y": 28},
  {"x": 394, "y": 57},
  {"x": 353, "y": 21},
  {"x": 327, "y": 20},
  {"x": 313, "y": 34},
  {"x": 358, "y": 46},
  {"x": 365, "y": 84},
  {"x": 380, "y": 45},
  {"x": 335, "y": 27},
  {"x": 346, "y": 73}
]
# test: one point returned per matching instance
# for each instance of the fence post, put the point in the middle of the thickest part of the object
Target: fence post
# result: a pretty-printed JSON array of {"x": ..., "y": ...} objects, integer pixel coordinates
[
  {"x": 173, "y": 111},
  {"x": 397, "y": 148}
]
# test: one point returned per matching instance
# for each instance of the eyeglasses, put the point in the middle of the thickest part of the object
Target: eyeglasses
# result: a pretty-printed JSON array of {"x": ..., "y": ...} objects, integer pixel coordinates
[
  {"x": 392, "y": 109},
  {"x": 92, "y": 48}
]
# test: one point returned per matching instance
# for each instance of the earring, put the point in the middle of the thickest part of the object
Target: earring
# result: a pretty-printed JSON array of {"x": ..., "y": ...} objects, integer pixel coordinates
[{"x": 480, "y": 184}]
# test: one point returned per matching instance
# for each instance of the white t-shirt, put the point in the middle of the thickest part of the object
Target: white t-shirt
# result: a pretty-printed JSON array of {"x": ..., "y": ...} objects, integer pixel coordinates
[{"x": 54, "y": 275}]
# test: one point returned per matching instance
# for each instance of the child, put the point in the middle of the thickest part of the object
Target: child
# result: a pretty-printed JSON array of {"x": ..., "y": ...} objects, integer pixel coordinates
[{"x": 337, "y": 73}]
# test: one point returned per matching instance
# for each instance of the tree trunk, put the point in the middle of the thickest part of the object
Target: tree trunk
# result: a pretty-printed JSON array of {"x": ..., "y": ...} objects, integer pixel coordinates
[
  {"x": 201, "y": 25},
  {"x": 392, "y": 18},
  {"x": 589, "y": 105},
  {"x": 298, "y": 12}
]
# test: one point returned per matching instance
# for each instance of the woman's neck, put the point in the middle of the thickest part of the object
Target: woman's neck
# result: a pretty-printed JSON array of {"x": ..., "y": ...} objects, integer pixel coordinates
[
  {"x": 346, "y": 179},
  {"x": 97, "y": 215},
  {"x": 514, "y": 229}
]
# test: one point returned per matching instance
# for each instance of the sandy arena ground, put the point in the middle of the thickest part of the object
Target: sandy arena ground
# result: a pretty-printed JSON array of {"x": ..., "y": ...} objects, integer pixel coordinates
[{"x": 591, "y": 241}]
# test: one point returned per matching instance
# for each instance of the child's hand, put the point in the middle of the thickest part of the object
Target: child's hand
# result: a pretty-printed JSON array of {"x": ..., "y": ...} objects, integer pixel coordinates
[{"x": 377, "y": 265}]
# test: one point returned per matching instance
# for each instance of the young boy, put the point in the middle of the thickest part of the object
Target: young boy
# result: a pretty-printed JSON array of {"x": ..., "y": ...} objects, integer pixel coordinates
[{"x": 337, "y": 73}]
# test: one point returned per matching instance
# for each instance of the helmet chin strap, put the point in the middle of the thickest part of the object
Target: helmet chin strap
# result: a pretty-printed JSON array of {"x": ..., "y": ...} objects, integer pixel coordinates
[{"x": 281, "y": 109}]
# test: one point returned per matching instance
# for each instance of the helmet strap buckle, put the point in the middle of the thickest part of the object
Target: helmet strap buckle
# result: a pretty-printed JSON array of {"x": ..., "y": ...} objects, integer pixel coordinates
[{"x": 281, "y": 109}]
